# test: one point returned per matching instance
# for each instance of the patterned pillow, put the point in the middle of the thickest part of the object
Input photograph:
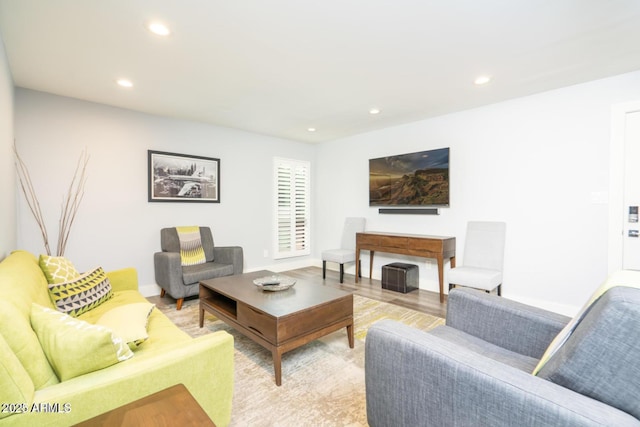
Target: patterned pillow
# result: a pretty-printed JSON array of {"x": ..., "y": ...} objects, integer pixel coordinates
[
  {"x": 75, "y": 347},
  {"x": 57, "y": 269},
  {"x": 82, "y": 294}
]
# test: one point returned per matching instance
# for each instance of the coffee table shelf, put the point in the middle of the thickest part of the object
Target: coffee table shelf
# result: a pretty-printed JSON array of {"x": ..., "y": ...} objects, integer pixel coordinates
[{"x": 223, "y": 304}]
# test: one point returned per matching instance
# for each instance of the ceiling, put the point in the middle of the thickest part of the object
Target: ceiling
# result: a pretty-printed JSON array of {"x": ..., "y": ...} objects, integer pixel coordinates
[{"x": 280, "y": 67}]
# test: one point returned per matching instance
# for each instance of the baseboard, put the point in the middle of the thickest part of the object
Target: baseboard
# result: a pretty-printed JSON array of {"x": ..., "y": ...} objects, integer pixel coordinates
[
  {"x": 149, "y": 290},
  {"x": 289, "y": 265}
]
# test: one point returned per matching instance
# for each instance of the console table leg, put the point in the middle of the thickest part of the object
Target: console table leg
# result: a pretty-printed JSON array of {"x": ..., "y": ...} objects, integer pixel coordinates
[
  {"x": 370, "y": 264},
  {"x": 441, "y": 277},
  {"x": 201, "y": 317}
]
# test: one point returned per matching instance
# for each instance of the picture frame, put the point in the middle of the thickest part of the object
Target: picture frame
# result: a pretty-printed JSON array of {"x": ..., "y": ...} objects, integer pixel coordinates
[
  {"x": 175, "y": 177},
  {"x": 419, "y": 179}
]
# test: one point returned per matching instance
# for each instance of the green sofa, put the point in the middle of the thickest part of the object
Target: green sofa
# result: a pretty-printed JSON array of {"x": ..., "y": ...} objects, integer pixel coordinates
[{"x": 30, "y": 392}]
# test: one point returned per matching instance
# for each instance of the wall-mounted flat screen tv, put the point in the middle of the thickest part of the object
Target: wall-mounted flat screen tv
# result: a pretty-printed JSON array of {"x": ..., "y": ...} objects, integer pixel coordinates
[{"x": 413, "y": 179}]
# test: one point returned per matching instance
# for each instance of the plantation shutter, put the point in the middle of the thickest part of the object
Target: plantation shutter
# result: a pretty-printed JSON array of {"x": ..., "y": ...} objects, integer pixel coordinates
[{"x": 292, "y": 210}]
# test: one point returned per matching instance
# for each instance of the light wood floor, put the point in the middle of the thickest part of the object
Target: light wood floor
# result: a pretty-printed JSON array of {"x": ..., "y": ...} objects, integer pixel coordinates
[{"x": 419, "y": 300}]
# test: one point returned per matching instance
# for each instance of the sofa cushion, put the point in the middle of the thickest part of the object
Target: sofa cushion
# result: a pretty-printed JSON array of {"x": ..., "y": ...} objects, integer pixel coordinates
[
  {"x": 210, "y": 270},
  {"x": 23, "y": 282},
  {"x": 600, "y": 358},
  {"x": 82, "y": 294},
  {"x": 17, "y": 331},
  {"x": 16, "y": 386},
  {"x": 73, "y": 346},
  {"x": 57, "y": 269},
  {"x": 491, "y": 351},
  {"x": 129, "y": 322}
]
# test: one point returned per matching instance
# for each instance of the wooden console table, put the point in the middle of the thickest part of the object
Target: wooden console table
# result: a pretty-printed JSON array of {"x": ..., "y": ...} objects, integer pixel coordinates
[{"x": 437, "y": 247}]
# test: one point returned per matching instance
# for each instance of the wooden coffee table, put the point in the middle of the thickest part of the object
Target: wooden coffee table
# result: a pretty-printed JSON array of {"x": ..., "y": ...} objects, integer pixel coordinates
[
  {"x": 173, "y": 406},
  {"x": 279, "y": 321}
]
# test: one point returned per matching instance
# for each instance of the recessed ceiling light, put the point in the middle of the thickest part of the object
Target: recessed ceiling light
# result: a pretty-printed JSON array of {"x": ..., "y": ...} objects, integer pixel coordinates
[
  {"x": 311, "y": 129},
  {"x": 374, "y": 111},
  {"x": 124, "y": 83},
  {"x": 159, "y": 28},
  {"x": 482, "y": 80}
]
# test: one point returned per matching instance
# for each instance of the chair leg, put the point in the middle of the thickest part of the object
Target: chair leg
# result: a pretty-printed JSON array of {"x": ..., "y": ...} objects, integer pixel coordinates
[
  {"x": 341, "y": 272},
  {"x": 324, "y": 269},
  {"x": 359, "y": 268},
  {"x": 179, "y": 303},
  {"x": 162, "y": 292}
]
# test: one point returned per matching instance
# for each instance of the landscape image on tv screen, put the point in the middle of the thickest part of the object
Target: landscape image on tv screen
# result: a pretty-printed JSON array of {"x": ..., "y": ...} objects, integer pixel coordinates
[{"x": 414, "y": 179}]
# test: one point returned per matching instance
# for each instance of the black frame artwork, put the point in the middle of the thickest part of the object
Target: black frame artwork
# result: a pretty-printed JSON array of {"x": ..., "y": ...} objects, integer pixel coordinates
[{"x": 175, "y": 177}]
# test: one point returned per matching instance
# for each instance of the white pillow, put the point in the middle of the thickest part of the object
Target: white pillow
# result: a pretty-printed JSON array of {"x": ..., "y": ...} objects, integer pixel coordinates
[{"x": 129, "y": 322}]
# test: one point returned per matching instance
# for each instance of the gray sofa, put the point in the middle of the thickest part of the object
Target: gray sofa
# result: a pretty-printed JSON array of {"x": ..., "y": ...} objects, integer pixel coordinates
[
  {"x": 181, "y": 282},
  {"x": 477, "y": 370}
]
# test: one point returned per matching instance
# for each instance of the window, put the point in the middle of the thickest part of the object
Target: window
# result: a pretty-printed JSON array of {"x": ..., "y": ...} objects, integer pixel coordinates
[{"x": 292, "y": 208}]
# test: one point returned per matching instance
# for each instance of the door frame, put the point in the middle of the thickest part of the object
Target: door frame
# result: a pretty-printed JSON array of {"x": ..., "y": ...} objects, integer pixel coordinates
[{"x": 616, "y": 182}]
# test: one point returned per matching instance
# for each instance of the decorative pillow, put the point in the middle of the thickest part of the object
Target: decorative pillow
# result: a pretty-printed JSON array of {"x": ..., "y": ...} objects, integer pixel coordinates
[
  {"x": 129, "y": 322},
  {"x": 191, "y": 250},
  {"x": 600, "y": 358},
  {"x": 57, "y": 269},
  {"x": 15, "y": 384},
  {"x": 75, "y": 347},
  {"x": 82, "y": 294},
  {"x": 626, "y": 278}
]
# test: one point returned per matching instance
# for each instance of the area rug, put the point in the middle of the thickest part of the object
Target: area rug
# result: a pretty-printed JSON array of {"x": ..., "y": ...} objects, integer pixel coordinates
[{"x": 322, "y": 381}]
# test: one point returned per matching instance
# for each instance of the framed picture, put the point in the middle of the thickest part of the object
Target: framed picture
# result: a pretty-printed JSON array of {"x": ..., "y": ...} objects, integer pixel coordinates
[
  {"x": 177, "y": 177},
  {"x": 413, "y": 179}
]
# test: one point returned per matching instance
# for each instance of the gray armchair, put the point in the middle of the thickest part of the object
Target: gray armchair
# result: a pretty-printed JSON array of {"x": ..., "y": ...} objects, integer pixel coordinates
[
  {"x": 181, "y": 282},
  {"x": 476, "y": 370}
]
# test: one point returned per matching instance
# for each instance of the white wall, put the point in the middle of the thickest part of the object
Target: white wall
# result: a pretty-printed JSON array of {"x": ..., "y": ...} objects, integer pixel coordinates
[
  {"x": 116, "y": 226},
  {"x": 7, "y": 170},
  {"x": 540, "y": 163}
]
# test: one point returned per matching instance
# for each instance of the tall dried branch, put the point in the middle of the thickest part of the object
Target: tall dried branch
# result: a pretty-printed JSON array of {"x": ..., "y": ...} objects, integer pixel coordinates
[
  {"x": 30, "y": 195},
  {"x": 71, "y": 202}
]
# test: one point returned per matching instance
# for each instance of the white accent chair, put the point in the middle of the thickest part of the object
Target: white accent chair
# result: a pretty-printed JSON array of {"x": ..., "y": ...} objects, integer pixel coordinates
[
  {"x": 483, "y": 257},
  {"x": 347, "y": 251}
]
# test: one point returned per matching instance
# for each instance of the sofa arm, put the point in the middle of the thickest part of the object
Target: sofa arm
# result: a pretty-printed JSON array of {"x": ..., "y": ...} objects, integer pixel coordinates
[
  {"x": 509, "y": 324},
  {"x": 414, "y": 378},
  {"x": 168, "y": 269},
  {"x": 204, "y": 365},
  {"x": 230, "y": 255},
  {"x": 125, "y": 279}
]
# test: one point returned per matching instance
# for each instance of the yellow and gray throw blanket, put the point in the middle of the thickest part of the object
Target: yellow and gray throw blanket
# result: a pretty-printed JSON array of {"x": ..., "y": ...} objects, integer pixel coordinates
[{"x": 191, "y": 250}]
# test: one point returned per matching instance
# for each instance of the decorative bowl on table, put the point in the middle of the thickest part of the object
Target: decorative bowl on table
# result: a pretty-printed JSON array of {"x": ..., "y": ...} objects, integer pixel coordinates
[{"x": 274, "y": 283}]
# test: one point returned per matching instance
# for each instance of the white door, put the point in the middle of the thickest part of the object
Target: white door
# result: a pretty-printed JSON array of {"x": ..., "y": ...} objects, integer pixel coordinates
[
  {"x": 631, "y": 191},
  {"x": 624, "y": 185}
]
